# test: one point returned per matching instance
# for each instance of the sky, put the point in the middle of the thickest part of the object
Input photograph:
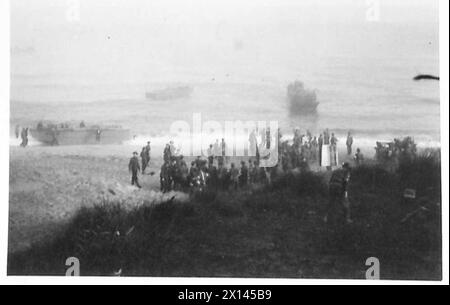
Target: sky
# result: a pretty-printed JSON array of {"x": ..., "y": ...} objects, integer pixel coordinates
[
  {"x": 28, "y": 16},
  {"x": 202, "y": 35}
]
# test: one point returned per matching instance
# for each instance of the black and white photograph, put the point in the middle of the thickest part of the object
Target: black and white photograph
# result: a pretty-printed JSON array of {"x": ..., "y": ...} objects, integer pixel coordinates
[{"x": 276, "y": 139}]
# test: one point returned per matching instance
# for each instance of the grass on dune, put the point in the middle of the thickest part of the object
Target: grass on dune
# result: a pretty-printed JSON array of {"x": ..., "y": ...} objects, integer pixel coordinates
[{"x": 275, "y": 231}]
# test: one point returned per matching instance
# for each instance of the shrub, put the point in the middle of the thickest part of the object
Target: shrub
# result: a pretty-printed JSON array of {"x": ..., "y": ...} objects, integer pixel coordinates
[
  {"x": 304, "y": 184},
  {"x": 422, "y": 173}
]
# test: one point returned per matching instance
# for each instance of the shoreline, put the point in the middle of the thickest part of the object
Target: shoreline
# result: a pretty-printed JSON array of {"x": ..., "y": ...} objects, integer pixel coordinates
[{"x": 366, "y": 144}]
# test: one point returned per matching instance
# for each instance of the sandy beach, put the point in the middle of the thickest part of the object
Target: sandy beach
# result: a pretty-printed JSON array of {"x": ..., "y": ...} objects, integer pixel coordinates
[{"x": 49, "y": 184}]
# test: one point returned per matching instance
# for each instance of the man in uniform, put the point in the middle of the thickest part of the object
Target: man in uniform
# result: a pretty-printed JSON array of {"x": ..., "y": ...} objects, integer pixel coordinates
[
  {"x": 210, "y": 153},
  {"x": 338, "y": 192},
  {"x": 234, "y": 173},
  {"x": 24, "y": 136},
  {"x": 320, "y": 144},
  {"x": 134, "y": 168},
  {"x": 333, "y": 145},
  {"x": 349, "y": 143},
  {"x": 243, "y": 177},
  {"x": 359, "y": 157},
  {"x": 223, "y": 147},
  {"x": 164, "y": 177},
  {"x": 144, "y": 160},
  {"x": 148, "y": 150},
  {"x": 213, "y": 177},
  {"x": 167, "y": 154}
]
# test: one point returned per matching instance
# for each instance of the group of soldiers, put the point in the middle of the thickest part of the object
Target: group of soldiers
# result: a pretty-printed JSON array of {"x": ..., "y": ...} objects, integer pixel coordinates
[
  {"x": 176, "y": 175},
  {"x": 216, "y": 171},
  {"x": 215, "y": 174},
  {"x": 306, "y": 149},
  {"x": 390, "y": 151}
]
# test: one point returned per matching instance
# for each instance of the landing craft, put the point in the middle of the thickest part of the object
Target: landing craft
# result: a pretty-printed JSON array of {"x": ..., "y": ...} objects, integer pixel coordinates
[
  {"x": 170, "y": 93},
  {"x": 301, "y": 100},
  {"x": 67, "y": 134}
]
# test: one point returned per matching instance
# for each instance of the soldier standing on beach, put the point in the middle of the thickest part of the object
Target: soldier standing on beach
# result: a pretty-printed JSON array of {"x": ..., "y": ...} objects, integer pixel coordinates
[
  {"x": 326, "y": 137},
  {"x": 165, "y": 177},
  {"x": 147, "y": 153},
  {"x": 144, "y": 160},
  {"x": 234, "y": 173},
  {"x": 223, "y": 147},
  {"x": 210, "y": 153},
  {"x": 320, "y": 143},
  {"x": 359, "y": 157},
  {"x": 349, "y": 143},
  {"x": 243, "y": 176},
  {"x": 167, "y": 154},
  {"x": 24, "y": 136},
  {"x": 333, "y": 145},
  {"x": 134, "y": 168}
]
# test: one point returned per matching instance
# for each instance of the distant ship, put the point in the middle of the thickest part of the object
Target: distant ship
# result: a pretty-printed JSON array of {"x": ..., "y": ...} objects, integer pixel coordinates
[
  {"x": 301, "y": 100},
  {"x": 170, "y": 93},
  {"x": 66, "y": 134}
]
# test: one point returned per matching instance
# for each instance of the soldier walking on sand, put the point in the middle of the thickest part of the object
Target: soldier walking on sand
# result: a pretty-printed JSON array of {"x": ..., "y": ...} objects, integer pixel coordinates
[{"x": 134, "y": 168}]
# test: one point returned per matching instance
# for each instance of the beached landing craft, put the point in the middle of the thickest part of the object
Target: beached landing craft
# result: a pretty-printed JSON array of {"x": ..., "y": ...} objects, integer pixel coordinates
[
  {"x": 66, "y": 134},
  {"x": 301, "y": 100}
]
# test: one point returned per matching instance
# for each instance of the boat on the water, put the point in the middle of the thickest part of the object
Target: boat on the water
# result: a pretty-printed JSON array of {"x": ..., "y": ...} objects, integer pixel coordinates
[
  {"x": 67, "y": 134},
  {"x": 301, "y": 100},
  {"x": 169, "y": 93}
]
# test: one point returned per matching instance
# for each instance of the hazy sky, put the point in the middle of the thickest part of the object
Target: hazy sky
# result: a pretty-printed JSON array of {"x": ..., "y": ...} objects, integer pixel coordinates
[
  {"x": 29, "y": 15},
  {"x": 208, "y": 35}
]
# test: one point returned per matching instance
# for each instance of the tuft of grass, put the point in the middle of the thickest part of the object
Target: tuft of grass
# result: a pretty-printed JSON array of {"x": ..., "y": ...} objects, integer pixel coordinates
[
  {"x": 422, "y": 173},
  {"x": 302, "y": 184}
]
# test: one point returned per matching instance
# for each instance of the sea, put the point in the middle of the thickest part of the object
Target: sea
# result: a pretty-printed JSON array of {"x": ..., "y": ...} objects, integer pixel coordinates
[{"x": 362, "y": 74}]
